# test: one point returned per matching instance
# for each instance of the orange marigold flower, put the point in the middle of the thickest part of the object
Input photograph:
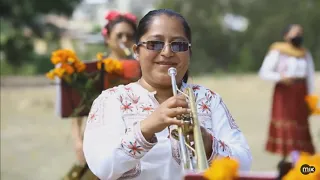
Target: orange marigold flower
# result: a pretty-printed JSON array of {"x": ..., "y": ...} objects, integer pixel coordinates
[
  {"x": 68, "y": 68},
  {"x": 312, "y": 101},
  {"x": 222, "y": 168},
  {"x": 80, "y": 66},
  {"x": 55, "y": 60},
  {"x": 305, "y": 158}
]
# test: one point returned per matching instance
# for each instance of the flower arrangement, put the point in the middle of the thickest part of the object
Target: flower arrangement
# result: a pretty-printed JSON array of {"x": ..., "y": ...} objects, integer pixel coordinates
[
  {"x": 312, "y": 101},
  {"x": 305, "y": 158},
  {"x": 87, "y": 81},
  {"x": 72, "y": 73},
  {"x": 67, "y": 63},
  {"x": 222, "y": 168},
  {"x": 111, "y": 66}
]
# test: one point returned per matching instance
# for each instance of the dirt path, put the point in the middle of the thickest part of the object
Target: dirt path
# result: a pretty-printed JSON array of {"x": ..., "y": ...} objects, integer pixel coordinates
[{"x": 36, "y": 144}]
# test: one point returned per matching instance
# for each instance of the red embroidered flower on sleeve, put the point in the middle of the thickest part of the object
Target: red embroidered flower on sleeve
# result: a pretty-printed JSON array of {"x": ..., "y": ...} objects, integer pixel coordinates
[{"x": 204, "y": 107}]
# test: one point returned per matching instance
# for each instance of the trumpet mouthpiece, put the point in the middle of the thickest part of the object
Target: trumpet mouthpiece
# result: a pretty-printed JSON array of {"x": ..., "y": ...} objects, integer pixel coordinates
[{"x": 172, "y": 71}]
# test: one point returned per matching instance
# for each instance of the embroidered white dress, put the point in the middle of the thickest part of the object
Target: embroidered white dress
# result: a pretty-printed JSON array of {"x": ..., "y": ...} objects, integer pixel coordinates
[
  {"x": 114, "y": 147},
  {"x": 276, "y": 63}
]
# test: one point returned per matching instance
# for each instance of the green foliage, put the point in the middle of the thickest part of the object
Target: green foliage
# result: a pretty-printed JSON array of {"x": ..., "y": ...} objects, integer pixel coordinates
[
  {"x": 217, "y": 48},
  {"x": 21, "y": 22}
]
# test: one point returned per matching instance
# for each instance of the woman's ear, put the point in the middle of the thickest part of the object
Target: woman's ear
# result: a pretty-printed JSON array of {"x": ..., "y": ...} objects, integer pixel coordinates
[{"x": 136, "y": 51}]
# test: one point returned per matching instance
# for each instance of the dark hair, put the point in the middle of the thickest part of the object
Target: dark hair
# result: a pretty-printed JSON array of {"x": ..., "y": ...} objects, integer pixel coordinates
[
  {"x": 147, "y": 19},
  {"x": 120, "y": 19},
  {"x": 288, "y": 28}
]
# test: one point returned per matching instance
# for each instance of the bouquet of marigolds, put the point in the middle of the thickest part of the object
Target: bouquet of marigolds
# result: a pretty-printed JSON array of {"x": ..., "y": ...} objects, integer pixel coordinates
[
  {"x": 71, "y": 71},
  {"x": 223, "y": 168},
  {"x": 115, "y": 69},
  {"x": 312, "y": 101},
  {"x": 298, "y": 173}
]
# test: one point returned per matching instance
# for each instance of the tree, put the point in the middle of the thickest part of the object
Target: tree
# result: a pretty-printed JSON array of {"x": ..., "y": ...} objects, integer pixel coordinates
[
  {"x": 21, "y": 21},
  {"x": 217, "y": 47}
]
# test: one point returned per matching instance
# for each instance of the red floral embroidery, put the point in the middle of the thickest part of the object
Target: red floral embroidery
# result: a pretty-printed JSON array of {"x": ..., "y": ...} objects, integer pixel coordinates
[
  {"x": 211, "y": 92},
  {"x": 208, "y": 97},
  {"x": 204, "y": 107},
  {"x": 146, "y": 108},
  {"x": 92, "y": 116},
  {"x": 126, "y": 106},
  {"x": 121, "y": 99},
  {"x": 134, "y": 98},
  {"x": 127, "y": 88},
  {"x": 112, "y": 90},
  {"x": 222, "y": 145},
  {"x": 196, "y": 87},
  {"x": 134, "y": 148},
  {"x": 231, "y": 121}
]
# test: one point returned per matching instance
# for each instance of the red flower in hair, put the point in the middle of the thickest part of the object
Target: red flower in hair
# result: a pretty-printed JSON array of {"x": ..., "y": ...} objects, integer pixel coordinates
[
  {"x": 104, "y": 31},
  {"x": 115, "y": 14},
  {"x": 112, "y": 15}
]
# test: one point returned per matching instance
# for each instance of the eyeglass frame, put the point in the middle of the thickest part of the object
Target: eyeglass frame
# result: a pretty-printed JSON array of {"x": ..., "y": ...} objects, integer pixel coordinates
[{"x": 165, "y": 44}]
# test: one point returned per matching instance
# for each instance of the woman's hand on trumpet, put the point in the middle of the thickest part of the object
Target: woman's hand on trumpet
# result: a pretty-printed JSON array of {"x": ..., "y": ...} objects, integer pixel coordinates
[
  {"x": 164, "y": 116},
  {"x": 207, "y": 141}
]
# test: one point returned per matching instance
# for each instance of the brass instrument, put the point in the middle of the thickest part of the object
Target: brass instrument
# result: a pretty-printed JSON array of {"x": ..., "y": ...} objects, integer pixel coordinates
[
  {"x": 127, "y": 51},
  {"x": 192, "y": 159}
]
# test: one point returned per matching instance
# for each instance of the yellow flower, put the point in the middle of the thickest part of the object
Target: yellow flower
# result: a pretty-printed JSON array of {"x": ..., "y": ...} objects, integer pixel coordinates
[
  {"x": 59, "y": 72},
  {"x": 305, "y": 158},
  {"x": 71, "y": 60},
  {"x": 111, "y": 66},
  {"x": 99, "y": 64},
  {"x": 312, "y": 101},
  {"x": 99, "y": 56},
  {"x": 222, "y": 168},
  {"x": 50, "y": 75},
  {"x": 63, "y": 56}
]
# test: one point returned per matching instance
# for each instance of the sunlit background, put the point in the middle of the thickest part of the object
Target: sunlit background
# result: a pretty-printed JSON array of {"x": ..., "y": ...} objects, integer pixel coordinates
[{"x": 230, "y": 40}]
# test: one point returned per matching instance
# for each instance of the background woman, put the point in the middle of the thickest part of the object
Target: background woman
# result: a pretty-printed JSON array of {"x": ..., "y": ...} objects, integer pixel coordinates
[
  {"x": 118, "y": 35},
  {"x": 291, "y": 67}
]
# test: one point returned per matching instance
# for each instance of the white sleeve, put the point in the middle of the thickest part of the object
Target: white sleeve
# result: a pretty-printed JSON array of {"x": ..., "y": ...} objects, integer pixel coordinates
[
  {"x": 269, "y": 65},
  {"x": 310, "y": 74},
  {"x": 228, "y": 140},
  {"x": 111, "y": 149}
]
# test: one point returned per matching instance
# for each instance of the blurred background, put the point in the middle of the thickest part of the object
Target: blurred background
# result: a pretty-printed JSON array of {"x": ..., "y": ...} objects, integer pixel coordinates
[{"x": 230, "y": 40}]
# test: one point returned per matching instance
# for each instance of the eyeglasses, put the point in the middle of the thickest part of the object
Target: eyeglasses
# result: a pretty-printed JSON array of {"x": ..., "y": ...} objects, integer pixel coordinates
[{"x": 176, "y": 46}]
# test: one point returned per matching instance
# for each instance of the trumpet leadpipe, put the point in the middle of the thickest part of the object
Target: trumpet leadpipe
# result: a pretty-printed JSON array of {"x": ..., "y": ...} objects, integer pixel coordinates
[{"x": 184, "y": 153}]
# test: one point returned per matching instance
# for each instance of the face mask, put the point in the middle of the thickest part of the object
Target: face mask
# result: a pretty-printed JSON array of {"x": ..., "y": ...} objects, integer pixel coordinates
[{"x": 297, "y": 41}]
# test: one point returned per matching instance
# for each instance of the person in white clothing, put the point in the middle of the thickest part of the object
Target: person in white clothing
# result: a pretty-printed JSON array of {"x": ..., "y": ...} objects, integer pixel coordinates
[
  {"x": 127, "y": 132},
  {"x": 291, "y": 67}
]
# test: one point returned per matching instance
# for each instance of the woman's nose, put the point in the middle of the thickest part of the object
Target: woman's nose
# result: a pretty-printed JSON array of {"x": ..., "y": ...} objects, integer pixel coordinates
[
  {"x": 166, "y": 51},
  {"x": 124, "y": 39}
]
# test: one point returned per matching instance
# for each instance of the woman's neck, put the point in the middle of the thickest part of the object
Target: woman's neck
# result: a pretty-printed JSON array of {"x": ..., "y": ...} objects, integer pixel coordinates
[{"x": 162, "y": 93}]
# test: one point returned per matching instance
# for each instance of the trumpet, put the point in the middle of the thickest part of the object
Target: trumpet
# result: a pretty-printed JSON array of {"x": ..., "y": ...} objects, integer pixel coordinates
[
  {"x": 127, "y": 51},
  {"x": 192, "y": 159}
]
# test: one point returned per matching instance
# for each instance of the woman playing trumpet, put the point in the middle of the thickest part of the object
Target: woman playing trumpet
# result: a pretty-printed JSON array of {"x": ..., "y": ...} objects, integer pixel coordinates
[{"x": 127, "y": 134}]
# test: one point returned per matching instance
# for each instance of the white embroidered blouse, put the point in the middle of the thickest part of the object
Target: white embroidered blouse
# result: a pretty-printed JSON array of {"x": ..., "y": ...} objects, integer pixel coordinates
[
  {"x": 115, "y": 148},
  {"x": 276, "y": 63}
]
